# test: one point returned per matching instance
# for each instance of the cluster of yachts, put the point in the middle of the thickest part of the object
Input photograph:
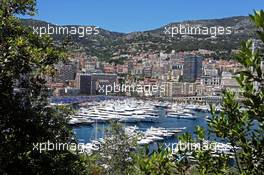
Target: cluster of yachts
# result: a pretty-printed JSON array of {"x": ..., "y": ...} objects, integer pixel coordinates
[
  {"x": 159, "y": 134},
  {"x": 183, "y": 111},
  {"x": 152, "y": 134},
  {"x": 146, "y": 137},
  {"x": 125, "y": 111},
  {"x": 132, "y": 111}
]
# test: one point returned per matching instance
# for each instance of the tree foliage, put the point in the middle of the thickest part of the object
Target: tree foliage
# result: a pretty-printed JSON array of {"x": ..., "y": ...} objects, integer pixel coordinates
[
  {"x": 242, "y": 123},
  {"x": 116, "y": 150},
  {"x": 26, "y": 118}
]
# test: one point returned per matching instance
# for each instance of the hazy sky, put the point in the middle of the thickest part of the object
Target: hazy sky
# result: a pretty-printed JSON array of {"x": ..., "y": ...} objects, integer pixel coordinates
[{"x": 139, "y": 15}]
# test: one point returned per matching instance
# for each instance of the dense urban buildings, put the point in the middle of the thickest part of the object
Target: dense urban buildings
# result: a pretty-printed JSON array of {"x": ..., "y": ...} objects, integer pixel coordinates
[{"x": 192, "y": 73}]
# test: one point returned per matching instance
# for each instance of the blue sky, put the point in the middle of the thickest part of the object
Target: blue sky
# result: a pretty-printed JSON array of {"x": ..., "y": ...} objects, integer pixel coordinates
[{"x": 139, "y": 15}]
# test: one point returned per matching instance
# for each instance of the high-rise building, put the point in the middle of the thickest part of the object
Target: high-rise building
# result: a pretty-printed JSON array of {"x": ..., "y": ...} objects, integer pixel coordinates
[
  {"x": 192, "y": 69},
  {"x": 92, "y": 83}
]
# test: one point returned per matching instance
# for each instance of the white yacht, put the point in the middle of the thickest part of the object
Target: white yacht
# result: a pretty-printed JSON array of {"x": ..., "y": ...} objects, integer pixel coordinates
[
  {"x": 144, "y": 141},
  {"x": 79, "y": 120}
]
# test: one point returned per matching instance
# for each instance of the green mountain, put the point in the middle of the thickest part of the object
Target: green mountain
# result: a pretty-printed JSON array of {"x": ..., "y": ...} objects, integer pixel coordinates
[{"x": 107, "y": 43}]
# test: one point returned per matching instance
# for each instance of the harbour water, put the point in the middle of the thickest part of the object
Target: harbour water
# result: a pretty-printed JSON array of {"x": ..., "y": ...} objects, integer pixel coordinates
[
  {"x": 86, "y": 133},
  {"x": 151, "y": 121}
]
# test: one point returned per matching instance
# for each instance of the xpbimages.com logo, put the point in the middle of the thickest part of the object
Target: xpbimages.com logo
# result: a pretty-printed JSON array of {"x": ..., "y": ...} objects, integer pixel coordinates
[
  {"x": 197, "y": 30},
  {"x": 51, "y": 146},
  {"x": 79, "y": 31},
  {"x": 124, "y": 88},
  {"x": 204, "y": 146}
]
